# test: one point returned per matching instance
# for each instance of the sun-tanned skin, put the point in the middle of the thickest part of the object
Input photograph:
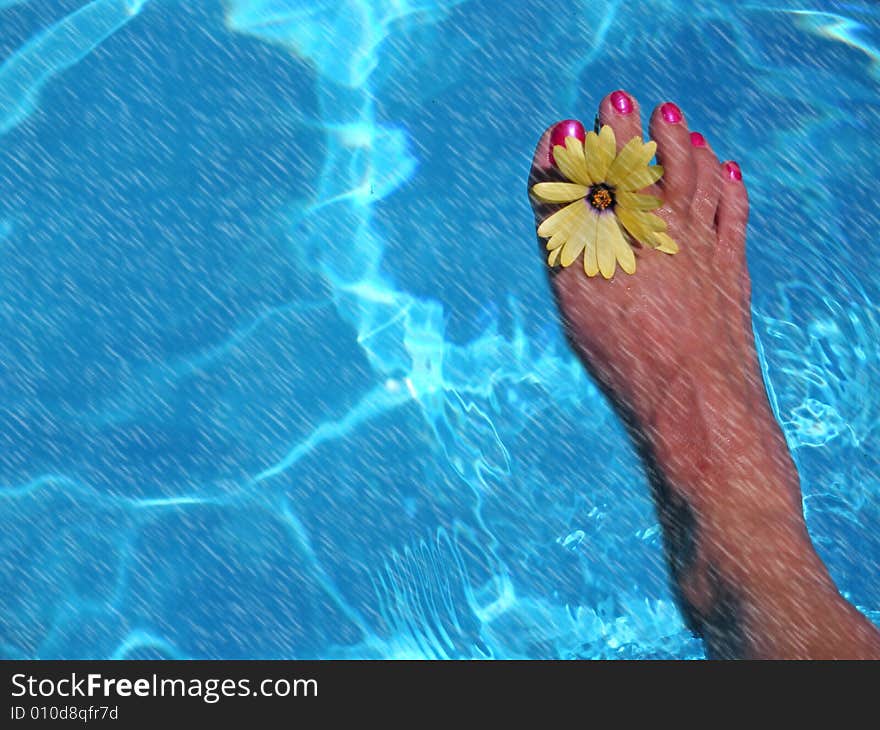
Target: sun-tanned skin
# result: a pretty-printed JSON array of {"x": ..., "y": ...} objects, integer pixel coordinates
[{"x": 673, "y": 348}]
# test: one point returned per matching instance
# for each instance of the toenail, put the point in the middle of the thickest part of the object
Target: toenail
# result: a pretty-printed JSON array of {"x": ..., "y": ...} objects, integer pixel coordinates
[
  {"x": 621, "y": 102},
  {"x": 671, "y": 113},
  {"x": 697, "y": 139},
  {"x": 565, "y": 128},
  {"x": 732, "y": 170}
]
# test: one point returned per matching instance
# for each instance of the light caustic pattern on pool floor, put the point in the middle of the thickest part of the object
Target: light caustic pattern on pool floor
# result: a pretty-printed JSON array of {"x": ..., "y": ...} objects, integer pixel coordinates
[{"x": 280, "y": 371}]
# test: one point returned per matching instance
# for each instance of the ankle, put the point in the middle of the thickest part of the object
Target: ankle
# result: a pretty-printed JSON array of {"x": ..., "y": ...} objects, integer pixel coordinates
[{"x": 714, "y": 439}]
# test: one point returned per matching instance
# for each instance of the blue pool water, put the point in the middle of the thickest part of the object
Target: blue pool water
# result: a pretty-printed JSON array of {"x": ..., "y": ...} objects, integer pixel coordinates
[{"x": 280, "y": 376}]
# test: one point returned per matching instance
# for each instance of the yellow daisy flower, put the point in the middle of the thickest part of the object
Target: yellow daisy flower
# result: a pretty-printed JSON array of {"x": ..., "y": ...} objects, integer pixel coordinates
[{"x": 604, "y": 208}]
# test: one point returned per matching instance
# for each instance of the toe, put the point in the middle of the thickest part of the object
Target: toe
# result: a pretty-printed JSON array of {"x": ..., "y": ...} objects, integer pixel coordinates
[
  {"x": 675, "y": 153},
  {"x": 621, "y": 111},
  {"x": 731, "y": 217},
  {"x": 707, "y": 188},
  {"x": 730, "y": 249},
  {"x": 542, "y": 169},
  {"x": 542, "y": 162}
]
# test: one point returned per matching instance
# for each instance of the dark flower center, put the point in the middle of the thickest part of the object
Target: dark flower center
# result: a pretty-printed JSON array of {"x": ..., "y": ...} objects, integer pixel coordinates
[{"x": 601, "y": 197}]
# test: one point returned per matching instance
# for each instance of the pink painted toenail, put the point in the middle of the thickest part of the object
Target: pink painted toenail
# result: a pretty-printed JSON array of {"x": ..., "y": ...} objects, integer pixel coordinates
[
  {"x": 697, "y": 139},
  {"x": 671, "y": 113},
  {"x": 565, "y": 128},
  {"x": 733, "y": 171},
  {"x": 621, "y": 102}
]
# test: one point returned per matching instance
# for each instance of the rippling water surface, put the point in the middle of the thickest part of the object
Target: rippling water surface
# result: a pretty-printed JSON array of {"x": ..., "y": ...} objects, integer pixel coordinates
[{"x": 279, "y": 370}]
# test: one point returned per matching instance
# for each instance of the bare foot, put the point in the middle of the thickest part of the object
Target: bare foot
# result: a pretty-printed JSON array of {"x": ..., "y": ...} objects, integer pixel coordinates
[
  {"x": 677, "y": 333},
  {"x": 673, "y": 348}
]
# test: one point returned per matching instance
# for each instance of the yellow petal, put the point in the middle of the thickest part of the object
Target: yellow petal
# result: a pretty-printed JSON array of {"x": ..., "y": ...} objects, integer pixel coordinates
[
  {"x": 570, "y": 161},
  {"x": 634, "y": 224},
  {"x": 576, "y": 242},
  {"x": 558, "y": 192},
  {"x": 607, "y": 149},
  {"x": 650, "y": 221},
  {"x": 573, "y": 168},
  {"x": 665, "y": 243},
  {"x": 575, "y": 148},
  {"x": 640, "y": 178},
  {"x": 560, "y": 219},
  {"x": 566, "y": 166},
  {"x": 553, "y": 257},
  {"x": 591, "y": 264},
  {"x": 634, "y": 156},
  {"x": 622, "y": 250},
  {"x": 636, "y": 201},
  {"x": 592, "y": 157},
  {"x": 557, "y": 239},
  {"x": 623, "y": 162},
  {"x": 605, "y": 246}
]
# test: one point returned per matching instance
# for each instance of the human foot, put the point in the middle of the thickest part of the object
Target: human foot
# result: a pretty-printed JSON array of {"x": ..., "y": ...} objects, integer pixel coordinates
[
  {"x": 641, "y": 328},
  {"x": 675, "y": 337},
  {"x": 672, "y": 346}
]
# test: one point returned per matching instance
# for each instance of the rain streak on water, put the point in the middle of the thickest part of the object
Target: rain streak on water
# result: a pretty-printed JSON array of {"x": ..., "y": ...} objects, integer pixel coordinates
[{"x": 280, "y": 372}]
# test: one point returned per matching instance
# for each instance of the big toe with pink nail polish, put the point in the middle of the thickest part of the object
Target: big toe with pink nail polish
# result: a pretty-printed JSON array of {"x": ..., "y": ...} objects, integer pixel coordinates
[{"x": 566, "y": 128}]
